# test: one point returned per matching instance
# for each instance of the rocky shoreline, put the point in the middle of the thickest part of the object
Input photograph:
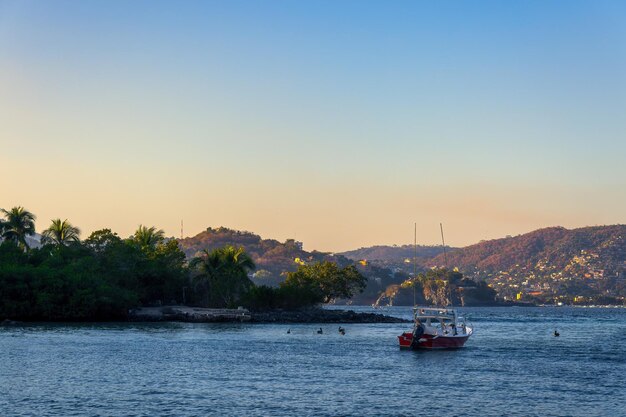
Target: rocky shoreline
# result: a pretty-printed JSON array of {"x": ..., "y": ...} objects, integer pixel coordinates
[
  {"x": 189, "y": 314},
  {"x": 209, "y": 315}
]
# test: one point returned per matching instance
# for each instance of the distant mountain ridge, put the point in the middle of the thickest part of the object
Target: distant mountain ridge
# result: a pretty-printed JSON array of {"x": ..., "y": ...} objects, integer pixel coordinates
[
  {"x": 556, "y": 245},
  {"x": 547, "y": 264},
  {"x": 585, "y": 262},
  {"x": 394, "y": 253}
]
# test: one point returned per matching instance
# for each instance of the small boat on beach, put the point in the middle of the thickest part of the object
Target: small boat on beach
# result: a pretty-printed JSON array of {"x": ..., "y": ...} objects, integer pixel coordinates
[{"x": 436, "y": 328}]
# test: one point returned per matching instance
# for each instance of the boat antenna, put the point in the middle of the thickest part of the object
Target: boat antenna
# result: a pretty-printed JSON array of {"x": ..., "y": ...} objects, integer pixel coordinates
[{"x": 414, "y": 260}]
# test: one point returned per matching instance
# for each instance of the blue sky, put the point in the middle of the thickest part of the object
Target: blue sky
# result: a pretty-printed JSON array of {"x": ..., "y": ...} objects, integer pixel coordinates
[{"x": 337, "y": 123}]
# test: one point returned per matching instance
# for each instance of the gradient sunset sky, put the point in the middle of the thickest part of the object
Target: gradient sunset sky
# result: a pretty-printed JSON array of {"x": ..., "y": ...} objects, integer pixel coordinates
[{"x": 337, "y": 123}]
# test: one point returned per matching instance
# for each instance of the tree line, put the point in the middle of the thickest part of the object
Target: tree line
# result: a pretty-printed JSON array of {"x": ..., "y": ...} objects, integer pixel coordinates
[{"x": 104, "y": 276}]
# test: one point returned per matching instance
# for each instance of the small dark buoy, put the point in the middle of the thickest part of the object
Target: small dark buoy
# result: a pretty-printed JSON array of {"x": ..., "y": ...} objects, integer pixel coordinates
[
  {"x": 320, "y": 331},
  {"x": 556, "y": 333}
]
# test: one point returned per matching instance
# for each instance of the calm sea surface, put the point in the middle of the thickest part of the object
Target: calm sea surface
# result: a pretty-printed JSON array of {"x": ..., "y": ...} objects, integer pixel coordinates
[{"x": 512, "y": 366}]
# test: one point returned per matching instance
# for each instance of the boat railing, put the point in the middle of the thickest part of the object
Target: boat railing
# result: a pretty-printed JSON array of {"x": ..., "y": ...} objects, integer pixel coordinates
[{"x": 433, "y": 310}]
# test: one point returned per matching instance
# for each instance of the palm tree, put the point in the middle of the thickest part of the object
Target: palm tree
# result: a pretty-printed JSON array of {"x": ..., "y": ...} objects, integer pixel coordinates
[
  {"x": 60, "y": 233},
  {"x": 223, "y": 274},
  {"x": 207, "y": 265},
  {"x": 148, "y": 237},
  {"x": 237, "y": 258},
  {"x": 19, "y": 224},
  {"x": 238, "y": 264}
]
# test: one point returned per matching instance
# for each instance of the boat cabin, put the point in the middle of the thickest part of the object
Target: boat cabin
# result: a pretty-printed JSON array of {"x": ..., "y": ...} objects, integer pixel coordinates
[{"x": 439, "y": 321}]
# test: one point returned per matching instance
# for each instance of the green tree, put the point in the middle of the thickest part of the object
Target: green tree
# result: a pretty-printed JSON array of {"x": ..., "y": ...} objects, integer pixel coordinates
[
  {"x": 222, "y": 275},
  {"x": 235, "y": 282},
  {"x": 99, "y": 240},
  {"x": 327, "y": 281},
  {"x": 98, "y": 280},
  {"x": 147, "y": 237},
  {"x": 19, "y": 224},
  {"x": 60, "y": 233},
  {"x": 169, "y": 273}
]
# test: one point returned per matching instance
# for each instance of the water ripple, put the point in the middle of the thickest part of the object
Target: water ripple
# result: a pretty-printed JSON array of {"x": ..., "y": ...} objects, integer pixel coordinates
[{"x": 513, "y": 366}]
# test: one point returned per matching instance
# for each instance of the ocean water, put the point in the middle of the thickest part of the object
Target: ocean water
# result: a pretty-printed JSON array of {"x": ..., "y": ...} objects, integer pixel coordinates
[{"x": 512, "y": 366}]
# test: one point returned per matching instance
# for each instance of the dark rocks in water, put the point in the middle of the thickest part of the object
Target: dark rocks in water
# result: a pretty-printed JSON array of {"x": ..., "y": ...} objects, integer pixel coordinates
[
  {"x": 7, "y": 322},
  {"x": 319, "y": 315}
]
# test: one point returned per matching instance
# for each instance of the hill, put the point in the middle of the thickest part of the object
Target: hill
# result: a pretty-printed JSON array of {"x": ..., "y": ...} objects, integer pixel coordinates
[
  {"x": 383, "y": 266},
  {"x": 580, "y": 265},
  {"x": 272, "y": 258}
]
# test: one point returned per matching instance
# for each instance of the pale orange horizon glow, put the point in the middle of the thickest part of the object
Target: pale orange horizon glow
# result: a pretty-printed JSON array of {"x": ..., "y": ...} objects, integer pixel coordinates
[
  {"x": 290, "y": 122},
  {"x": 330, "y": 220}
]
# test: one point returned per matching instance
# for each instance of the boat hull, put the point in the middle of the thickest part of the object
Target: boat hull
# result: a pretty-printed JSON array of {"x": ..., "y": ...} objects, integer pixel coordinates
[{"x": 427, "y": 341}]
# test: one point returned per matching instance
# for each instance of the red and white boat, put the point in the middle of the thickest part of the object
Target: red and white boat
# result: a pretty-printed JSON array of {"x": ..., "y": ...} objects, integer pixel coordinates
[{"x": 436, "y": 328}]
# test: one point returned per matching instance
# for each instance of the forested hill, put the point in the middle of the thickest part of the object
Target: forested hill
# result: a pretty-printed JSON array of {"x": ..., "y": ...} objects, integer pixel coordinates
[
  {"x": 589, "y": 260},
  {"x": 553, "y": 248},
  {"x": 272, "y": 258}
]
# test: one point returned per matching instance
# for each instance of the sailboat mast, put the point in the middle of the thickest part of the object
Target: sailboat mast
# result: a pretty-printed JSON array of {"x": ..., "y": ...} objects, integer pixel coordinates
[
  {"x": 445, "y": 260},
  {"x": 414, "y": 260},
  {"x": 443, "y": 242}
]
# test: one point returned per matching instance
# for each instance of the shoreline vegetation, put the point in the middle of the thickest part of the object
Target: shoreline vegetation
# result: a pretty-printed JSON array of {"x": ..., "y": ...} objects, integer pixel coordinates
[{"x": 108, "y": 278}]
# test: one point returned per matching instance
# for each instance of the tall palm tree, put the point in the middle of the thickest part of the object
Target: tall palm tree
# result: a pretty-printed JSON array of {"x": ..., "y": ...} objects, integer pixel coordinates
[
  {"x": 223, "y": 274},
  {"x": 208, "y": 266},
  {"x": 148, "y": 236},
  {"x": 60, "y": 233},
  {"x": 237, "y": 258},
  {"x": 19, "y": 224}
]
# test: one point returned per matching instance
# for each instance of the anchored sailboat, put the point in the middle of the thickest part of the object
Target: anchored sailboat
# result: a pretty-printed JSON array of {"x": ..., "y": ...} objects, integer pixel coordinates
[{"x": 434, "y": 328}]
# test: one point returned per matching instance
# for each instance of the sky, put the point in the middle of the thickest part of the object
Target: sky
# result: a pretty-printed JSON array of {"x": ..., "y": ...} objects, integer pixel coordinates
[{"x": 338, "y": 123}]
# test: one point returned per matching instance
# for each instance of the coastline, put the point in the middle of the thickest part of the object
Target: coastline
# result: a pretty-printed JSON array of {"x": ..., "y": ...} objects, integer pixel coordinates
[
  {"x": 211, "y": 315},
  {"x": 187, "y": 314}
]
